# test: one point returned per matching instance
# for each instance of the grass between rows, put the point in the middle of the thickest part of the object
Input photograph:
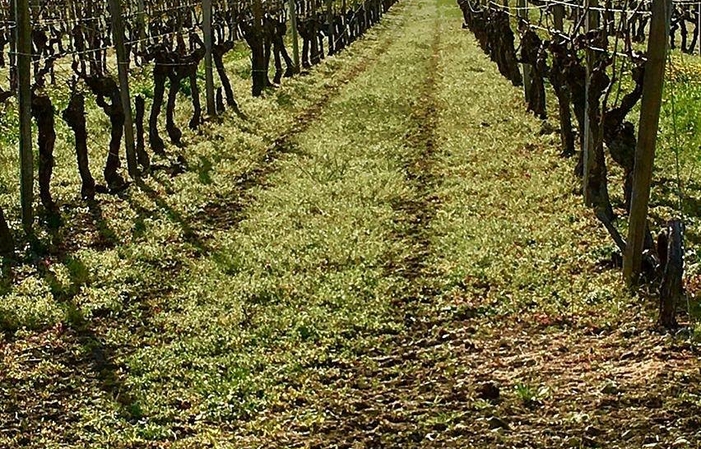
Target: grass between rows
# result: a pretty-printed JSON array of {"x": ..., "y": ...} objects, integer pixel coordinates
[
  {"x": 551, "y": 322},
  {"x": 676, "y": 192},
  {"x": 250, "y": 301},
  {"x": 207, "y": 301}
]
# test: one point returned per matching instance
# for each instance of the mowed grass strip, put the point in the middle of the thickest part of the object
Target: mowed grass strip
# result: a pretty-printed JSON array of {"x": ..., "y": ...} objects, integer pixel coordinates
[
  {"x": 115, "y": 248},
  {"x": 300, "y": 287},
  {"x": 528, "y": 283},
  {"x": 181, "y": 330},
  {"x": 512, "y": 225}
]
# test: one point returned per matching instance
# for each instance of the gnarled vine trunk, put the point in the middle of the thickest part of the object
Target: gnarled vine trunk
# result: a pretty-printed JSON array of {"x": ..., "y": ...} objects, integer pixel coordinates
[
  {"x": 74, "y": 116},
  {"x": 43, "y": 112}
]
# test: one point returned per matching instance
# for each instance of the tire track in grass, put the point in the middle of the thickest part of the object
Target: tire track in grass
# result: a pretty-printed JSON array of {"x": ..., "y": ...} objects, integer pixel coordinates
[
  {"x": 384, "y": 396},
  {"x": 383, "y": 127},
  {"x": 404, "y": 395},
  {"x": 416, "y": 213}
]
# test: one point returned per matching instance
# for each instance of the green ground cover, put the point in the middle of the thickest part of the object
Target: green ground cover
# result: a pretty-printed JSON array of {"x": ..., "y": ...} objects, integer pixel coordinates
[{"x": 362, "y": 261}]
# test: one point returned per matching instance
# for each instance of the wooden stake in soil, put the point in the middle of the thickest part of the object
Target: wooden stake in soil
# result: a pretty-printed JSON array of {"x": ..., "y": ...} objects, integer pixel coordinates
[
  {"x": 24, "y": 75},
  {"x": 527, "y": 69},
  {"x": 592, "y": 23},
  {"x": 647, "y": 138},
  {"x": 329, "y": 19},
  {"x": 123, "y": 71},
  {"x": 672, "y": 258},
  {"x": 259, "y": 67},
  {"x": 295, "y": 38},
  {"x": 209, "y": 71}
]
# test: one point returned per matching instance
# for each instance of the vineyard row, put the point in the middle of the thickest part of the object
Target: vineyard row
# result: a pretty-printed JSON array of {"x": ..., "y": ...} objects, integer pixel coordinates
[
  {"x": 174, "y": 39},
  {"x": 590, "y": 54}
]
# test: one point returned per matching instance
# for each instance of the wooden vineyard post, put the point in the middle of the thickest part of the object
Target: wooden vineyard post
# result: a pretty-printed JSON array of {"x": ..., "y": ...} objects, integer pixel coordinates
[
  {"x": 647, "y": 137},
  {"x": 314, "y": 45},
  {"x": 523, "y": 14},
  {"x": 208, "y": 65},
  {"x": 123, "y": 72},
  {"x": 141, "y": 18},
  {"x": 71, "y": 12},
  {"x": 344, "y": 9},
  {"x": 232, "y": 7},
  {"x": 24, "y": 93},
  {"x": 558, "y": 17},
  {"x": 13, "y": 47},
  {"x": 329, "y": 18},
  {"x": 259, "y": 70},
  {"x": 592, "y": 23},
  {"x": 697, "y": 31},
  {"x": 295, "y": 39}
]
